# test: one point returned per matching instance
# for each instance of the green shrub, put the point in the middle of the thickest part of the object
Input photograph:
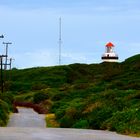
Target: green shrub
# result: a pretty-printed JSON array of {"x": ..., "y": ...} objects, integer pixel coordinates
[
  {"x": 8, "y": 97},
  {"x": 58, "y": 96},
  {"x": 60, "y": 113},
  {"x": 39, "y": 97},
  {"x": 81, "y": 124},
  {"x": 38, "y": 86},
  {"x": 98, "y": 116},
  {"x": 4, "y": 113},
  {"x": 127, "y": 121},
  {"x": 66, "y": 122},
  {"x": 59, "y": 109},
  {"x": 26, "y": 97}
]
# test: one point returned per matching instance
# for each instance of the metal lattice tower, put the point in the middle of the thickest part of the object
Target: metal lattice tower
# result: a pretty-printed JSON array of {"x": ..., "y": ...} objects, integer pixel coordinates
[{"x": 60, "y": 41}]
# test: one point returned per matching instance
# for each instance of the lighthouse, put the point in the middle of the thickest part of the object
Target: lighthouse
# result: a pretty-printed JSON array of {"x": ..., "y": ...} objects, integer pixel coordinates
[{"x": 109, "y": 55}]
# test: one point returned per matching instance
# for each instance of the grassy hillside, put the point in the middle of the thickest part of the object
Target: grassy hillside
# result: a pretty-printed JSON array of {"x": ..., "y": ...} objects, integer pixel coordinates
[{"x": 96, "y": 96}]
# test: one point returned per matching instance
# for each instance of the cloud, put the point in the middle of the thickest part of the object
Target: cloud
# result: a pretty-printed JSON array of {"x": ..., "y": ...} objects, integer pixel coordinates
[
  {"x": 73, "y": 58},
  {"x": 46, "y": 58},
  {"x": 34, "y": 59}
]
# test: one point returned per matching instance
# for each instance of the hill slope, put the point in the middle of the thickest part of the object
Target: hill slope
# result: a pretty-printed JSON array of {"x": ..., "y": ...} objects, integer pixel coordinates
[{"x": 95, "y": 96}]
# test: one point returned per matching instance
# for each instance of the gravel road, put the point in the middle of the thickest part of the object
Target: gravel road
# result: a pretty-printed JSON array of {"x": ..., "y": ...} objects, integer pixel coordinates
[{"x": 28, "y": 125}]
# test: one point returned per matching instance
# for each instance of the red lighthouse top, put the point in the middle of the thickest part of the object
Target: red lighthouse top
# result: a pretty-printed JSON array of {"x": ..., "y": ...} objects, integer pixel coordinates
[{"x": 110, "y": 45}]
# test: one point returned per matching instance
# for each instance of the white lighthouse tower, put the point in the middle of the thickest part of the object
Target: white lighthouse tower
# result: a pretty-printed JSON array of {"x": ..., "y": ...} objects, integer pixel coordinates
[{"x": 110, "y": 55}]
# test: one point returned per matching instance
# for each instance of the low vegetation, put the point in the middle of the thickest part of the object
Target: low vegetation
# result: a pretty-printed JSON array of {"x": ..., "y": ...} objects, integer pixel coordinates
[
  {"x": 97, "y": 96},
  {"x": 51, "y": 121},
  {"x": 6, "y": 106}
]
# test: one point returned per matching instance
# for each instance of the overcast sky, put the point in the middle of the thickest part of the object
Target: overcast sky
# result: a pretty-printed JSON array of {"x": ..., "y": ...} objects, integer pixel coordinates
[{"x": 87, "y": 25}]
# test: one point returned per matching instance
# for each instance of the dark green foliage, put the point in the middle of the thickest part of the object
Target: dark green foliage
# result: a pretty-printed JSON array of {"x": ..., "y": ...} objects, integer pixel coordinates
[
  {"x": 39, "y": 97},
  {"x": 99, "y": 115},
  {"x": 81, "y": 124},
  {"x": 66, "y": 122},
  {"x": 133, "y": 61},
  {"x": 38, "y": 86},
  {"x": 6, "y": 100},
  {"x": 127, "y": 121},
  {"x": 4, "y": 113},
  {"x": 24, "y": 97}
]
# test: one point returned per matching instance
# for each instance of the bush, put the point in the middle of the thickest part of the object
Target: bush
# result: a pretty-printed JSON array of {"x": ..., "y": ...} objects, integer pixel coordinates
[
  {"x": 81, "y": 124},
  {"x": 127, "y": 121},
  {"x": 8, "y": 97},
  {"x": 58, "y": 96},
  {"x": 4, "y": 113},
  {"x": 38, "y": 86},
  {"x": 66, "y": 122},
  {"x": 39, "y": 97},
  {"x": 98, "y": 116},
  {"x": 59, "y": 109},
  {"x": 26, "y": 97},
  {"x": 60, "y": 113}
]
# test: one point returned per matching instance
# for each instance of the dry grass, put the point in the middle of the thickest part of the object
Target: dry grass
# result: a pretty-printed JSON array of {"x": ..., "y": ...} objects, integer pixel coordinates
[
  {"x": 92, "y": 107},
  {"x": 51, "y": 121},
  {"x": 135, "y": 135}
]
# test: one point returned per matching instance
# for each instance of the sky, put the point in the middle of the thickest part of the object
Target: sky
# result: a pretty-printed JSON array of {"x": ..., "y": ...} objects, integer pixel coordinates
[{"x": 87, "y": 26}]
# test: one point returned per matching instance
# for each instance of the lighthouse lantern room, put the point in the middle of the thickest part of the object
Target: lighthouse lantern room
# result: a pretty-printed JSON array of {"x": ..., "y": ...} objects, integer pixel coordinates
[{"x": 109, "y": 55}]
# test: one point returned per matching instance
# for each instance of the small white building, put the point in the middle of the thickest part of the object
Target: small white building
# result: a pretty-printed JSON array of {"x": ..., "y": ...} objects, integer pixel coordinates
[{"x": 109, "y": 55}]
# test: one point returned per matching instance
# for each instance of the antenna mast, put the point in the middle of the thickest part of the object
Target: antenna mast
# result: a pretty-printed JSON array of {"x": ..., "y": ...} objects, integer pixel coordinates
[{"x": 60, "y": 41}]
